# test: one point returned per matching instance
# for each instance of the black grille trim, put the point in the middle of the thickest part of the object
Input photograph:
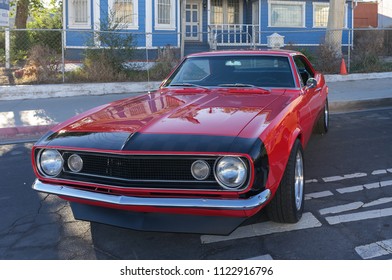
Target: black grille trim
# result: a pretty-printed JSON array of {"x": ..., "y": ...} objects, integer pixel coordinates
[{"x": 142, "y": 171}]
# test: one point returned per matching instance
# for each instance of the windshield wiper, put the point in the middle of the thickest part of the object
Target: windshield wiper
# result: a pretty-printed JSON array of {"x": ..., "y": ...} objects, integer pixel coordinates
[
  {"x": 186, "y": 85},
  {"x": 241, "y": 85},
  {"x": 236, "y": 85}
]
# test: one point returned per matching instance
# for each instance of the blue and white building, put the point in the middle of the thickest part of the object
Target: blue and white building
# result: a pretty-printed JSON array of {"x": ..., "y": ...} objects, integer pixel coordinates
[
  {"x": 4, "y": 13},
  {"x": 207, "y": 23}
]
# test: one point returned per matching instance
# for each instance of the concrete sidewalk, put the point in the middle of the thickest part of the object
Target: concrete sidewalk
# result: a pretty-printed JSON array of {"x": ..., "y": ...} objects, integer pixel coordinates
[{"x": 27, "y": 112}]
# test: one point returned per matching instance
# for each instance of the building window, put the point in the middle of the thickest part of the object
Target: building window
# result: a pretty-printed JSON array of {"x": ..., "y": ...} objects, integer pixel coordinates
[
  {"x": 79, "y": 12},
  {"x": 320, "y": 15},
  {"x": 226, "y": 12},
  {"x": 165, "y": 14},
  {"x": 123, "y": 13},
  {"x": 286, "y": 14}
]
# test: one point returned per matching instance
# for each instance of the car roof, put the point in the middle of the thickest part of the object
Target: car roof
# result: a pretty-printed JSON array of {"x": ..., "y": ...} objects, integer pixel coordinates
[{"x": 246, "y": 52}]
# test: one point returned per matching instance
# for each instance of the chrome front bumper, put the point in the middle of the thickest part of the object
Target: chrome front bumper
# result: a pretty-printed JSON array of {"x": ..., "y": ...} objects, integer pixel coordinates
[{"x": 216, "y": 204}]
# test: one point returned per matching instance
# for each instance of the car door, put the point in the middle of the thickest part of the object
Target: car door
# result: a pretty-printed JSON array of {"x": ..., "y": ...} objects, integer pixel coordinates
[{"x": 313, "y": 95}]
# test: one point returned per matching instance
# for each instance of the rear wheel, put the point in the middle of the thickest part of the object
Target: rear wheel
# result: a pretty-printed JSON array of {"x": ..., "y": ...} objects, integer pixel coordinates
[
  {"x": 288, "y": 203},
  {"x": 323, "y": 122}
]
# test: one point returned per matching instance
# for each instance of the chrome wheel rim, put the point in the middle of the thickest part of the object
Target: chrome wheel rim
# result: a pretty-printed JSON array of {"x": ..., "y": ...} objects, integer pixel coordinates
[
  {"x": 299, "y": 180},
  {"x": 326, "y": 115}
]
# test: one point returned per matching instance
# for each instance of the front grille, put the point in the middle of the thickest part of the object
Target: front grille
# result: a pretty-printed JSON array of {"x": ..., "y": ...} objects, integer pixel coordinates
[{"x": 140, "y": 171}]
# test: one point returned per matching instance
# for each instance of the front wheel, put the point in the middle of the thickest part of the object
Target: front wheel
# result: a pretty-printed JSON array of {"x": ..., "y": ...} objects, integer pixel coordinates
[{"x": 288, "y": 203}]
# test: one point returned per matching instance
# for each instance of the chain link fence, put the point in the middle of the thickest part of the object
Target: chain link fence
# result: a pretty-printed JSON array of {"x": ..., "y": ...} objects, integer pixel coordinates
[{"x": 58, "y": 56}]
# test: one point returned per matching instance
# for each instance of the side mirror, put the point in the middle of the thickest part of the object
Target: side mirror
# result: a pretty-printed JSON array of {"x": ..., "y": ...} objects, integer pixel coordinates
[{"x": 311, "y": 83}]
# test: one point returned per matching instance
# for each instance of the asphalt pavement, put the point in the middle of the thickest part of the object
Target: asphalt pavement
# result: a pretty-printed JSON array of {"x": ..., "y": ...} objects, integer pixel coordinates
[{"x": 27, "y": 112}]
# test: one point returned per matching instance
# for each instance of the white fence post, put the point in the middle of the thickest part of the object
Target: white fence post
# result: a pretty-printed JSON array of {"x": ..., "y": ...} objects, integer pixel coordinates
[
  {"x": 63, "y": 54},
  {"x": 7, "y": 49}
]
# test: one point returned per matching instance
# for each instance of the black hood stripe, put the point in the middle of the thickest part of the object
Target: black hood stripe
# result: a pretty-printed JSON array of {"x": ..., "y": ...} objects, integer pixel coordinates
[{"x": 152, "y": 142}]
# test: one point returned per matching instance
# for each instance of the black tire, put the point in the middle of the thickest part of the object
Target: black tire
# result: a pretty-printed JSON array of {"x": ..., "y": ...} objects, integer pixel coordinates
[
  {"x": 288, "y": 203},
  {"x": 323, "y": 122}
]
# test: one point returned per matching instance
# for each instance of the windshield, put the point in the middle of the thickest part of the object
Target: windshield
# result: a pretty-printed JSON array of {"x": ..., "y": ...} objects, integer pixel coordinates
[{"x": 234, "y": 71}]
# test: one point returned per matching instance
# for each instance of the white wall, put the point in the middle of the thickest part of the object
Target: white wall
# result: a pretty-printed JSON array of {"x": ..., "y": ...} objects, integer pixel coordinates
[{"x": 385, "y": 13}]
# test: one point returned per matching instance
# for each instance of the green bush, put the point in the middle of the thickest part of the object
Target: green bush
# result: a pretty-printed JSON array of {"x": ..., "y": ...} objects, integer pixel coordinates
[
  {"x": 106, "y": 62},
  {"x": 46, "y": 18},
  {"x": 368, "y": 49},
  {"x": 326, "y": 61}
]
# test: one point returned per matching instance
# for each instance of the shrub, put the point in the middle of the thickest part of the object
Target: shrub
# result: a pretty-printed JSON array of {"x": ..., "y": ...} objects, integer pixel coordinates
[
  {"x": 43, "y": 65},
  {"x": 368, "y": 47},
  {"x": 167, "y": 60},
  {"x": 98, "y": 66},
  {"x": 326, "y": 61}
]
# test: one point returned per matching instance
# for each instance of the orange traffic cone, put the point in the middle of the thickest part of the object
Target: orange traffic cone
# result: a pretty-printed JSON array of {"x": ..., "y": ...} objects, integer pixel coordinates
[{"x": 343, "y": 70}]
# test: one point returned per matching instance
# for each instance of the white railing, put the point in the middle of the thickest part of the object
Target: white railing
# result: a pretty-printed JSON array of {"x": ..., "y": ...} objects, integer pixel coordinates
[{"x": 233, "y": 35}]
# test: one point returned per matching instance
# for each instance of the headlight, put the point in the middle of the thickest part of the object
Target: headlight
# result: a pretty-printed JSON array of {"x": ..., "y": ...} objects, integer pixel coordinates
[
  {"x": 200, "y": 170},
  {"x": 231, "y": 172},
  {"x": 51, "y": 162},
  {"x": 75, "y": 163}
]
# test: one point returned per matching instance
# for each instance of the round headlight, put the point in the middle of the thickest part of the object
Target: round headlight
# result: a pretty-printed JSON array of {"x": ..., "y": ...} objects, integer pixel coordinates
[
  {"x": 75, "y": 163},
  {"x": 230, "y": 172},
  {"x": 200, "y": 170},
  {"x": 51, "y": 162}
]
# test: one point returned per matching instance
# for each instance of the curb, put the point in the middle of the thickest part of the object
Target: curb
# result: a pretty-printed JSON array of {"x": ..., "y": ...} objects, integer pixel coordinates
[
  {"x": 355, "y": 77},
  {"x": 21, "y": 92},
  {"x": 347, "y": 106}
]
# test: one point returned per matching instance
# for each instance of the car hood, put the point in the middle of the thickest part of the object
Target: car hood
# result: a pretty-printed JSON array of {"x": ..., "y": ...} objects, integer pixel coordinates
[{"x": 188, "y": 111}]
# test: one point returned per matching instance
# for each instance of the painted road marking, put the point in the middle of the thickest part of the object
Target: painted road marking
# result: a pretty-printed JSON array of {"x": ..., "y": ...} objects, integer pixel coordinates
[
  {"x": 354, "y": 206},
  {"x": 317, "y": 195},
  {"x": 341, "y": 208},
  {"x": 379, "y": 201},
  {"x": 372, "y": 214},
  {"x": 263, "y": 257},
  {"x": 350, "y": 189},
  {"x": 311, "y": 181},
  {"x": 372, "y": 185},
  {"x": 379, "y": 172},
  {"x": 386, "y": 183},
  {"x": 344, "y": 177},
  {"x": 375, "y": 250},
  {"x": 308, "y": 220},
  {"x": 365, "y": 186},
  {"x": 350, "y": 176}
]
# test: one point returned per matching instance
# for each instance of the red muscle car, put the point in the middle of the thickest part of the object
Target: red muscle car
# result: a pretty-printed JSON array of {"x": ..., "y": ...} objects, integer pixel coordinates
[{"x": 222, "y": 138}]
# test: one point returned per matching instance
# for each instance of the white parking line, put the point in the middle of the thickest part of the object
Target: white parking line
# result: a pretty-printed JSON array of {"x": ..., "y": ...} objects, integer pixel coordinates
[
  {"x": 263, "y": 257},
  {"x": 379, "y": 172},
  {"x": 350, "y": 189},
  {"x": 372, "y": 214},
  {"x": 365, "y": 186},
  {"x": 344, "y": 177},
  {"x": 341, "y": 208},
  {"x": 386, "y": 183},
  {"x": 311, "y": 181},
  {"x": 317, "y": 195},
  {"x": 379, "y": 201},
  {"x": 372, "y": 185},
  {"x": 350, "y": 176},
  {"x": 265, "y": 228},
  {"x": 374, "y": 250}
]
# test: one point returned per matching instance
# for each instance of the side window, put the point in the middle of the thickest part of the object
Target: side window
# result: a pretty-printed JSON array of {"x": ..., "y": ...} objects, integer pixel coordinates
[{"x": 304, "y": 70}]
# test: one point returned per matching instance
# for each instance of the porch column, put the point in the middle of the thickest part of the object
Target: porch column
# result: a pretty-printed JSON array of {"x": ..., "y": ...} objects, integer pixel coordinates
[
  {"x": 148, "y": 23},
  {"x": 97, "y": 20},
  {"x": 183, "y": 22}
]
